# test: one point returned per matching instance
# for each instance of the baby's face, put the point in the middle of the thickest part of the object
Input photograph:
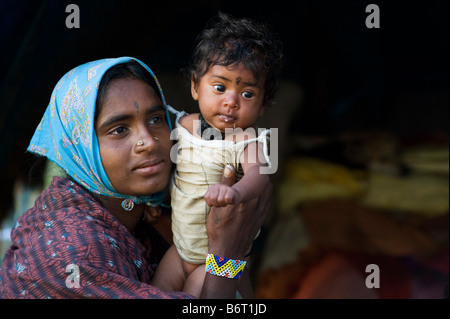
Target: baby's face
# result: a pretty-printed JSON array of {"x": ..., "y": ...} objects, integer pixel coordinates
[{"x": 229, "y": 97}]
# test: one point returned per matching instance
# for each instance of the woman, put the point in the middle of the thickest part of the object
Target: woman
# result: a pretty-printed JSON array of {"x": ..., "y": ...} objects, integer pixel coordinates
[{"x": 107, "y": 126}]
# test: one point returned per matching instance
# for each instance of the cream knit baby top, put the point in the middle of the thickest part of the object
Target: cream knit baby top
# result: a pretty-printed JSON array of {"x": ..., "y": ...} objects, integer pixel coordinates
[{"x": 200, "y": 164}]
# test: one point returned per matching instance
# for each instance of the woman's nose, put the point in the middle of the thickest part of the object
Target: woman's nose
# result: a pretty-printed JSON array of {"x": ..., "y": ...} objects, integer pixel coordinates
[{"x": 146, "y": 142}]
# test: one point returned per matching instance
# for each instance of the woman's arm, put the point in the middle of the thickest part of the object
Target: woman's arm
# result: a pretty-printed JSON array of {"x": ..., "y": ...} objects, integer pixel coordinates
[{"x": 231, "y": 231}]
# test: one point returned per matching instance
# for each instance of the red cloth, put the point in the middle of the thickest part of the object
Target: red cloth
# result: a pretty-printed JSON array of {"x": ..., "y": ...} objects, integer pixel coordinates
[{"x": 68, "y": 226}]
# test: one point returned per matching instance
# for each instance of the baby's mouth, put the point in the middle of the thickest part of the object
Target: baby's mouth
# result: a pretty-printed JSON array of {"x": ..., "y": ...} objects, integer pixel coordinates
[{"x": 227, "y": 118}]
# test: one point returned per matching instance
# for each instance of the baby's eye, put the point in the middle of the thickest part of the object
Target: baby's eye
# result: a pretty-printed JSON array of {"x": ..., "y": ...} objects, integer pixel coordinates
[
  {"x": 219, "y": 88},
  {"x": 247, "y": 95}
]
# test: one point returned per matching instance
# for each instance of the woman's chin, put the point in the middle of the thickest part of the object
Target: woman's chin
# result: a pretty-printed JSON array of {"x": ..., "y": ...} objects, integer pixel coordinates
[{"x": 148, "y": 190}]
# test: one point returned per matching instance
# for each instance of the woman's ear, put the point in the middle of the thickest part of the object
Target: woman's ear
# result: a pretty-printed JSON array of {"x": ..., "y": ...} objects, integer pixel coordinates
[{"x": 194, "y": 89}]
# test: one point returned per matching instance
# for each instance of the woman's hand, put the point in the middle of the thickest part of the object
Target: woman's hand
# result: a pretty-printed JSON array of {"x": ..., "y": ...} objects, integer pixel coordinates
[{"x": 231, "y": 231}]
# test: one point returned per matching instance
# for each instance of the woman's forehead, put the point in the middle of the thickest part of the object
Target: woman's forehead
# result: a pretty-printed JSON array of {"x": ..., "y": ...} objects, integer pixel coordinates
[
  {"x": 129, "y": 93},
  {"x": 130, "y": 88}
]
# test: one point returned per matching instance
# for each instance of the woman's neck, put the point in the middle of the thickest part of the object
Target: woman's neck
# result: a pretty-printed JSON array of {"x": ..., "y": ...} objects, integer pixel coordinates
[{"x": 129, "y": 219}]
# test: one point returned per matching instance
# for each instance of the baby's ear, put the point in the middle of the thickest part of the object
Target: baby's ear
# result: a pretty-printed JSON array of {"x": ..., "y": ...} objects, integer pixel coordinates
[{"x": 194, "y": 89}]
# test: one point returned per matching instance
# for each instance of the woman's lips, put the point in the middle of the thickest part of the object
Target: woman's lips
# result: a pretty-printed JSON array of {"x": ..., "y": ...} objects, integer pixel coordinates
[{"x": 149, "y": 168}]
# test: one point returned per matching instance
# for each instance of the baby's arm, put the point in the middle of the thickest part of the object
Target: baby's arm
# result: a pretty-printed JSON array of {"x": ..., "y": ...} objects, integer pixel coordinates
[{"x": 247, "y": 188}]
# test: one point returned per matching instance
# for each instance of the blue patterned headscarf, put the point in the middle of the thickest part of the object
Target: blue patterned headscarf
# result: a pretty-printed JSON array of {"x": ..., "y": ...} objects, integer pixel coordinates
[{"x": 66, "y": 133}]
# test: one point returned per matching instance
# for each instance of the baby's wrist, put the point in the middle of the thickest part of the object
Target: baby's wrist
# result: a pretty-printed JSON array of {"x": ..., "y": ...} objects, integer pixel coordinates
[{"x": 238, "y": 194}]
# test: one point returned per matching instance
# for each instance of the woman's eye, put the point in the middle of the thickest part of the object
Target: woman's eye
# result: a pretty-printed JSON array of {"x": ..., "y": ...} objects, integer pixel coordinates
[
  {"x": 156, "y": 120},
  {"x": 247, "y": 95},
  {"x": 118, "y": 131},
  {"x": 219, "y": 88}
]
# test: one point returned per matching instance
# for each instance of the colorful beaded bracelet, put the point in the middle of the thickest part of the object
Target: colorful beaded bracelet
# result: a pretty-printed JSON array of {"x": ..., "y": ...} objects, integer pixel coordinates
[{"x": 224, "y": 267}]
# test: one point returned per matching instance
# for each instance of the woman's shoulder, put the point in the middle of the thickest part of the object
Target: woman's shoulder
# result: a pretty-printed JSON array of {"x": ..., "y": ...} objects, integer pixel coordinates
[
  {"x": 66, "y": 220},
  {"x": 66, "y": 194},
  {"x": 64, "y": 205}
]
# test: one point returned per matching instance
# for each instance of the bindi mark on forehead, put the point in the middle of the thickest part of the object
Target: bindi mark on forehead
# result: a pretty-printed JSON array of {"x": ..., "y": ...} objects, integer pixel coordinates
[{"x": 136, "y": 105}]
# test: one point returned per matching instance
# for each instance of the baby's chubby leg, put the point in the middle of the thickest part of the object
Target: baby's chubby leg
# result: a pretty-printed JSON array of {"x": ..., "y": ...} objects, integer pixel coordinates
[
  {"x": 170, "y": 275},
  {"x": 195, "y": 279}
]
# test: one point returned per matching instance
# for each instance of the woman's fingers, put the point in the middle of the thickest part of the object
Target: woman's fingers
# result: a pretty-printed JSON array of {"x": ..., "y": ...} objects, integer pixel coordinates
[{"x": 228, "y": 175}]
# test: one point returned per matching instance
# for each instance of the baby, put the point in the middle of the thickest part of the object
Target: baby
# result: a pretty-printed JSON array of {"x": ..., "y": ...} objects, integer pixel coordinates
[{"x": 233, "y": 72}]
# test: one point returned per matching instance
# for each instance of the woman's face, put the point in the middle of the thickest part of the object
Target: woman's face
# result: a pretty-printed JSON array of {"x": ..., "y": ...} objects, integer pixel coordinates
[{"x": 133, "y": 112}]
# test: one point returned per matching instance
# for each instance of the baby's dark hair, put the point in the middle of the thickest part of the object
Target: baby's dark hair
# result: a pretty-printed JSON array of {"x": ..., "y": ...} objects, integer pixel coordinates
[{"x": 229, "y": 41}]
